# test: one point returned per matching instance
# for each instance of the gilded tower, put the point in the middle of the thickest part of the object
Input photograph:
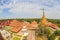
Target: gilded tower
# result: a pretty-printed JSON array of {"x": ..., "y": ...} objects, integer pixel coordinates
[{"x": 44, "y": 20}]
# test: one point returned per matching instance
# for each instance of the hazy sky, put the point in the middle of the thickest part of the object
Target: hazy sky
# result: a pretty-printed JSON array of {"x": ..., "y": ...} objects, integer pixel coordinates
[{"x": 29, "y": 8}]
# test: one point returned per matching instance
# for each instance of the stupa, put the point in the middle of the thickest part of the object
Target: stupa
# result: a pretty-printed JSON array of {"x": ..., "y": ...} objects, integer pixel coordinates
[
  {"x": 44, "y": 19},
  {"x": 46, "y": 22}
]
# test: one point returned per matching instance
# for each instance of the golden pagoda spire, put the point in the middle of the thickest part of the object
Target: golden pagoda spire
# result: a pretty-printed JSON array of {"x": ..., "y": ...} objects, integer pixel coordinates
[
  {"x": 43, "y": 14},
  {"x": 44, "y": 20}
]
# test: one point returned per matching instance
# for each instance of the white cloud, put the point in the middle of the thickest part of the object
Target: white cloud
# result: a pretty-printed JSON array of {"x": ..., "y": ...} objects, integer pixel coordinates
[
  {"x": 25, "y": 8},
  {"x": 33, "y": 8},
  {"x": 53, "y": 12}
]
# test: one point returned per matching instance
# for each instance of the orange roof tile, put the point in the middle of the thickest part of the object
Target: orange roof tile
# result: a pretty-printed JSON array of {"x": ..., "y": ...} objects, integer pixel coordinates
[
  {"x": 16, "y": 29},
  {"x": 51, "y": 25},
  {"x": 34, "y": 24},
  {"x": 17, "y": 25},
  {"x": 54, "y": 26}
]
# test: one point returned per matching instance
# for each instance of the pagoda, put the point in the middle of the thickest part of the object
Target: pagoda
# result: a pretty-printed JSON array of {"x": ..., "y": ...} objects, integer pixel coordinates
[{"x": 46, "y": 22}]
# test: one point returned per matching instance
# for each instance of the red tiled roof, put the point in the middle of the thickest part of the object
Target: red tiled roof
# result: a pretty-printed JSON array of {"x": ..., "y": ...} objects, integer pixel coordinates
[
  {"x": 34, "y": 24},
  {"x": 17, "y": 26},
  {"x": 51, "y": 25}
]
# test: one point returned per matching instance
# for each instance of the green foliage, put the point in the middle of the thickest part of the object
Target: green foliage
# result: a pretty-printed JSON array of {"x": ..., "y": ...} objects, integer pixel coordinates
[
  {"x": 52, "y": 37},
  {"x": 43, "y": 30},
  {"x": 16, "y": 38},
  {"x": 57, "y": 32}
]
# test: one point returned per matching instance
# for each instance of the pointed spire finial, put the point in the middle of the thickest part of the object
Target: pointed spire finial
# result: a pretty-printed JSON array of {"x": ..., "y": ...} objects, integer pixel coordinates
[
  {"x": 43, "y": 12},
  {"x": 44, "y": 20}
]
